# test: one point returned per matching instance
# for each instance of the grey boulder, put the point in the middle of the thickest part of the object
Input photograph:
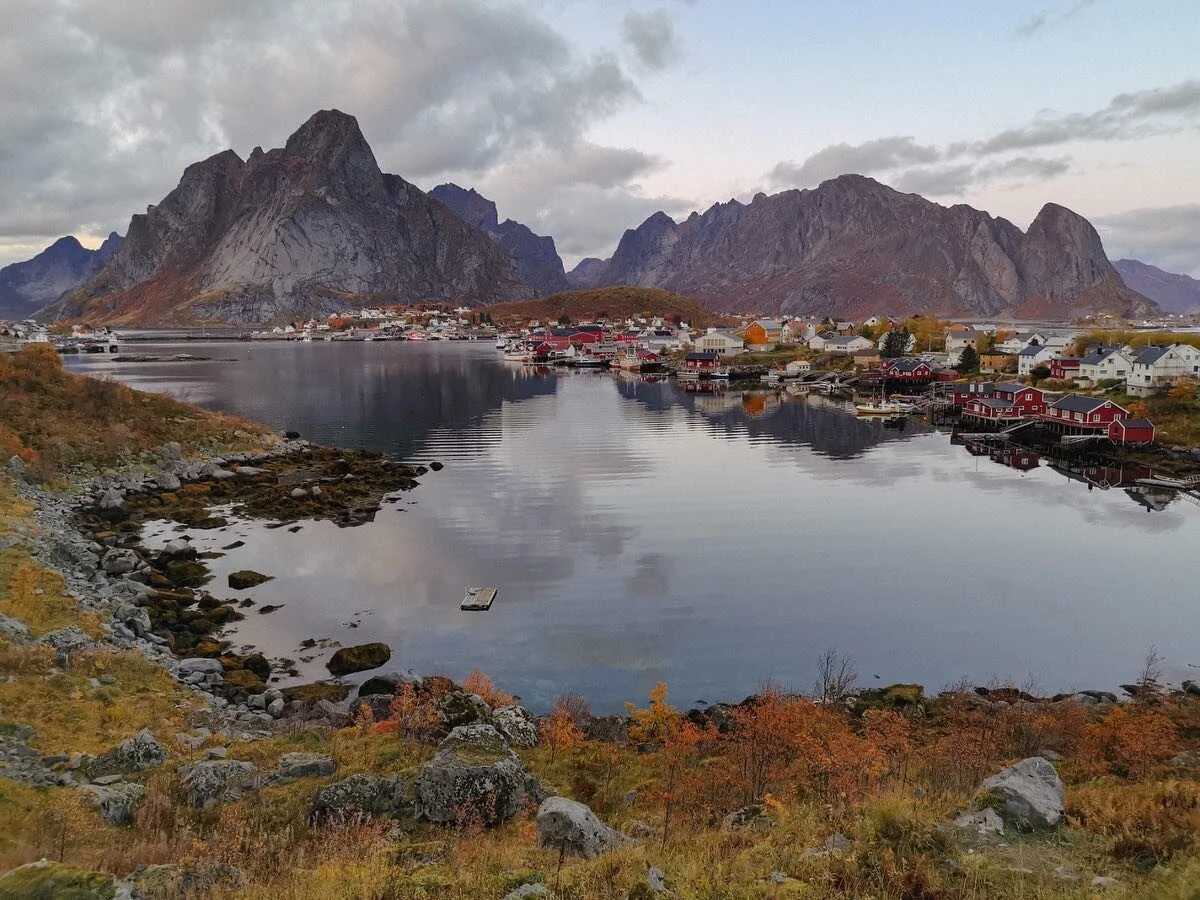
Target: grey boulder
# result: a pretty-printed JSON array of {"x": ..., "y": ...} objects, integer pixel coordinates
[
  {"x": 302, "y": 765},
  {"x": 475, "y": 777},
  {"x": 1028, "y": 795},
  {"x": 359, "y": 795},
  {"x": 517, "y": 726},
  {"x": 571, "y": 827},
  {"x": 120, "y": 562},
  {"x": 206, "y": 784},
  {"x": 135, "y": 754},
  {"x": 116, "y": 802}
]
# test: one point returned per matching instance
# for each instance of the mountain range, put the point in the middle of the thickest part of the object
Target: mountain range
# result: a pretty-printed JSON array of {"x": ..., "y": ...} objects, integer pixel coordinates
[
  {"x": 853, "y": 246},
  {"x": 25, "y": 287},
  {"x": 316, "y": 226},
  {"x": 1173, "y": 293}
]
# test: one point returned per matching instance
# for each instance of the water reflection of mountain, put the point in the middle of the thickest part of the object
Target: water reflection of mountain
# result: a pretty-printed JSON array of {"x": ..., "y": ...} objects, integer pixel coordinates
[
  {"x": 379, "y": 397},
  {"x": 828, "y": 429}
]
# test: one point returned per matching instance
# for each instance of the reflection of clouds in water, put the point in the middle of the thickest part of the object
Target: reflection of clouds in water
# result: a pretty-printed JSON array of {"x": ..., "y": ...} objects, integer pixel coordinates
[
  {"x": 626, "y": 647},
  {"x": 650, "y": 577}
]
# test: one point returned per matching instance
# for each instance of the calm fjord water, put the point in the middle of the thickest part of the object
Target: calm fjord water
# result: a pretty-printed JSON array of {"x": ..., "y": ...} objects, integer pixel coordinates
[{"x": 639, "y": 534}]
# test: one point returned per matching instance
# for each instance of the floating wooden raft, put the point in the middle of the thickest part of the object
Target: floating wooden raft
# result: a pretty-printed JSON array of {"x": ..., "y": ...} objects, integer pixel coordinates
[{"x": 479, "y": 598}]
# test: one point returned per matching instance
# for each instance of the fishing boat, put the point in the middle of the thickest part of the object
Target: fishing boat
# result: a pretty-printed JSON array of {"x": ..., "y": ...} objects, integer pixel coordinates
[
  {"x": 720, "y": 373},
  {"x": 480, "y": 598}
]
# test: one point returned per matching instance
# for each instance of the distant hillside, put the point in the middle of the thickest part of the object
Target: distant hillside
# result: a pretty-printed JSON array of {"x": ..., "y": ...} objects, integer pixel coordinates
[
  {"x": 854, "y": 247},
  {"x": 535, "y": 257},
  {"x": 612, "y": 302},
  {"x": 1174, "y": 293},
  {"x": 25, "y": 287}
]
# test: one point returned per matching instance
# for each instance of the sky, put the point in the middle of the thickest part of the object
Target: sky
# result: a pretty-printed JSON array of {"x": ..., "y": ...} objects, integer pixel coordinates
[{"x": 580, "y": 118}]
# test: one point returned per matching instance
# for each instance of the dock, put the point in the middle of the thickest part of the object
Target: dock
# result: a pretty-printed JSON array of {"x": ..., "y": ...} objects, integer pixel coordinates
[{"x": 479, "y": 598}]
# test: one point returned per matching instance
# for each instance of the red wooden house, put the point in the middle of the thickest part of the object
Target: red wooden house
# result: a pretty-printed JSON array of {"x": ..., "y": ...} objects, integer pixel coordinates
[
  {"x": 702, "y": 362},
  {"x": 906, "y": 369},
  {"x": 1027, "y": 401},
  {"x": 1131, "y": 431},
  {"x": 1076, "y": 411},
  {"x": 972, "y": 390},
  {"x": 1065, "y": 368}
]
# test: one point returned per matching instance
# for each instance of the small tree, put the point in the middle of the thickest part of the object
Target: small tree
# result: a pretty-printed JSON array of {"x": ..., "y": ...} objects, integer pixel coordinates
[
  {"x": 895, "y": 344},
  {"x": 1039, "y": 373},
  {"x": 968, "y": 361},
  {"x": 1183, "y": 391},
  {"x": 835, "y": 676},
  {"x": 564, "y": 320}
]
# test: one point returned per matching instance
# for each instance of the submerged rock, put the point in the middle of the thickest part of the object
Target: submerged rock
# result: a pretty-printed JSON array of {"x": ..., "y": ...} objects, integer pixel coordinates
[
  {"x": 571, "y": 827},
  {"x": 359, "y": 658},
  {"x": 246, "y": 578}
]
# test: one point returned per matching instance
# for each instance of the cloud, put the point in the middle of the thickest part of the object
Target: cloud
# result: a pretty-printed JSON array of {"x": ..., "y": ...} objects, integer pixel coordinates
[
  {"x": 1126, "y": 117},
  {"x": 963, "y": 165},
  {"x": 651, "y": 37},
  {"x": 104, "y": 104},
  {"x": 872, "y": 157},
  {"x": 1168, "y": 236},
  {"x": 1040, "y": 20}
]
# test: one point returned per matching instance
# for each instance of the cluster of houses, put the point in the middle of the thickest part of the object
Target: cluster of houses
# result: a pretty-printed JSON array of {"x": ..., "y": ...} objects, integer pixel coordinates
[{"x": 1010, "y": 403}]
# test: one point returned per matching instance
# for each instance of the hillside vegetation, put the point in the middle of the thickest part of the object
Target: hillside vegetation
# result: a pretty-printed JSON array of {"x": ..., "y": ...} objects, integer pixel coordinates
[
  {"x": 611, "y": 302},
  {"x": 53, "y": 419}
]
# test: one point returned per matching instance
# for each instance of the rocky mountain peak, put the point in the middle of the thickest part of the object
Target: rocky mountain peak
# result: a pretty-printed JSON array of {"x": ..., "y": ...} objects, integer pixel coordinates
[{"x": 470, "y": 205}]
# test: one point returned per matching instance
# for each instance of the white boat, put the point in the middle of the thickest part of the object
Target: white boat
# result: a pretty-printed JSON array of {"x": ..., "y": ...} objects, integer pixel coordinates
[
  {"x": 720, "y": 373},
  {"x": 501, "y": 345},
  {"x": 884, "y": 408},
  {"x": 516, "y": 355},
  {"x": 479, "y": 598}
]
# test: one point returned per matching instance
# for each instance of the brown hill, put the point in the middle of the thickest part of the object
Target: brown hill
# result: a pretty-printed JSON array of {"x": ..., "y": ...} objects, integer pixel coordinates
[
  {"x": 854, "y": 247},
  {"x": 310, "y": 228},
  {"x": 610, "y": 302}
]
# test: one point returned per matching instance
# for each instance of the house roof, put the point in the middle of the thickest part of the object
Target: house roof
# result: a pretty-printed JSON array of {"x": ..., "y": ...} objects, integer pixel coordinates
[
  {"x": 906, "y": 364},
  {"x": 994, "y": 404},
  {"x": 722, "y": 334},
  {"x": 1012, "y": 387},
  {"x": 845, "y": 339},
  {"x": 1135, "y": 423},
  {"x": 974, "y": 387},
  {"x": 1031, "y": 350},
  {"x": 1078, "y": 403},
  {"x": 768, "y": 324},
  {"x": 1150, "y": 355},
  {"x": 704, "y": 356}
]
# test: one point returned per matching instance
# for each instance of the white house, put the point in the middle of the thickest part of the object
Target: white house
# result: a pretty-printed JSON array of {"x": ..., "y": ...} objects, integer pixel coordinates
[
  {"x": 797, "y": 367},
  {"x": 1156, "y": 367},
  {"x": 721, "y": 342},
  {"x": 797, "y": 331},
  {"x": 1036, "y": 355},
  {"x": 818, "y": 341},
  {"x": 1015, "y": 343},
  {"x": 848, "y": 343},
  {"x": 1104, "y": 364},
  {"x": 956, "y": 341}
]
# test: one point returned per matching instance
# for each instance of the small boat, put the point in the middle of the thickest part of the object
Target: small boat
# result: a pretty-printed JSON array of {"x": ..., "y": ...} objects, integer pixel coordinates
[
  {"x": 479, "y": 598},
  {"x": 501, "y": 345},
  {"x": 884, "y": 408},
  {"x": 720, "y": 373}
]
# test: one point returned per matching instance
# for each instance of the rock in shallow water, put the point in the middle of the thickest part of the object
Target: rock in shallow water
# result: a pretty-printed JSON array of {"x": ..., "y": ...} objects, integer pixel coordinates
[{"x": 359, "y": 658}]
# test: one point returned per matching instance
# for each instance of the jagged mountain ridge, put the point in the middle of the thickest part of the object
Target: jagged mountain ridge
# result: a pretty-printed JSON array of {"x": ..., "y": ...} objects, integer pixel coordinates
[
  {"x": 853, "y": 246},
  {"x": 1173, "y": 292},
  {"x": 25, "y": 287},
  {"x": 306, "y": 229},
  {"x": 535, "y": 256}
]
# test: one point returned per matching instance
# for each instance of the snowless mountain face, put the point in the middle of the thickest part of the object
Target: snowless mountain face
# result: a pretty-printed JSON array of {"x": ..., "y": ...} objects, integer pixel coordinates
[
  {"x": 25, "y": 287},
  {"x": 853, "y": 246},
  {"x": 1173, "y": 293},
  {"x": 535, "y": 257},
  {"x": 307, "y": 229}
]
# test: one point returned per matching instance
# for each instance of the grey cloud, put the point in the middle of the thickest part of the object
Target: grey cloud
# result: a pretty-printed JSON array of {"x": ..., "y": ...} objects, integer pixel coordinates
[
  {"x": 105, "y": 103},
  {"x": 871, "y": 157},
  {"x": 1126, "y": 117},
  {"x": 937, "y": 181},
  {"x": 651, "y": 37},
  {"x": 1041, "y": 20},
  {"x": 1168, "y": 236}
]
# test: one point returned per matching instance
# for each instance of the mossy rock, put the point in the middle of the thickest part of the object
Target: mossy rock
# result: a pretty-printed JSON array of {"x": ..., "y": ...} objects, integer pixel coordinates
[
  {"x": 320, "y": 690},
  {"x": 898, "y": 697},
  {"x": 55, "y": 881},
  {"x": 245, "y": 680},
  {"x": 200, "y": 625},
  {"x": 206, "y": 647},
  {"x": 359, "y": 658},
  {"x": 246, "y": 578},
  {"x": 223, "y": 614},
  {"x": 258, "y": 664},
  {"x": 185, "y": 573}
]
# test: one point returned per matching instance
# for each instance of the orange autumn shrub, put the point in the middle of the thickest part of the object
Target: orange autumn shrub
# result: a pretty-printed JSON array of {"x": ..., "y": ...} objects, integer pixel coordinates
[
  {"x": 413, "y": 714},
  {"x": 478, "y": 683},
  {"x": 559, "y": 732},
  {"x": 1129, "y": 742}
]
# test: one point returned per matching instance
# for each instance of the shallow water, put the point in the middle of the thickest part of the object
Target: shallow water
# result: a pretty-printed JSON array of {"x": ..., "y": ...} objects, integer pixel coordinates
[{"x": 640, "y": 534}]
